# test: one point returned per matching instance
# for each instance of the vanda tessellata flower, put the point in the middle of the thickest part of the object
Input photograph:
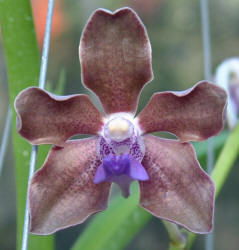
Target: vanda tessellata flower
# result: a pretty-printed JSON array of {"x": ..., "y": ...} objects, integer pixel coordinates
[{"x": 76, "y": 178}]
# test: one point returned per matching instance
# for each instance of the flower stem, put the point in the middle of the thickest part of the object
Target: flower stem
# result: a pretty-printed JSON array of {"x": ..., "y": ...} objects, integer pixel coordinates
[
  {"x": 177, "y": 238},
  {"x": 5, "y": 138},
  {"x": 226, "y": 159},
  {"x": 26, "y": 226}
]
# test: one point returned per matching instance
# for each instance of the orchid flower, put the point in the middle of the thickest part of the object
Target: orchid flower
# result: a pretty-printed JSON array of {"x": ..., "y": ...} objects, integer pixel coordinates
[
  {"x": 75, "y": 180},
  {"x": 227, "y": 76}
]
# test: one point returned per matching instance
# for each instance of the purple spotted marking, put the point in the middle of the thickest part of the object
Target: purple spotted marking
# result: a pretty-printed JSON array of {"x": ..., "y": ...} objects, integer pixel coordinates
[
  {"x": 104, "y": 148},
  {"x": 133, "y": 146},
  {"x": 137, "y": 149}
]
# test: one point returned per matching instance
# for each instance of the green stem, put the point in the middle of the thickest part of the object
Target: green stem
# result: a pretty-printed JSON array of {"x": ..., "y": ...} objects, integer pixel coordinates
[
  {"x": 175, "y": 247},
  {"x": 226, "y": 160},
  {"x": 222, "y": 168},
  {"x": 177, "y": 239}
]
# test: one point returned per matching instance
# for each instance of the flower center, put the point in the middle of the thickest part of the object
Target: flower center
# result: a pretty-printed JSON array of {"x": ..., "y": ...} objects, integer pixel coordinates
[
  {"x": 118, "y": 129},
  {"x": 121, "y": 150},
  {"x": 120, "y": 136}
]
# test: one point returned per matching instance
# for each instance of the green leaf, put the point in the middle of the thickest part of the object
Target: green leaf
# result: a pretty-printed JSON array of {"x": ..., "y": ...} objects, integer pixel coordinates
[
  {"x": 23, "y": 66},
  {"x": 115, "y": 227},
  {"x": 110, "y": 229}
]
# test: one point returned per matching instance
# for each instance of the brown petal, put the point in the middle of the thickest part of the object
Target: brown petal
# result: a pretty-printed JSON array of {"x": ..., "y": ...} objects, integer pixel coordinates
[
  {"x": 115, "y": 56},
  {"x": 192, "y": 115},
  {"x": 178, "y": 189},
  {"x": 44, "y": 118},
  {"x": 62, "y": 193}
]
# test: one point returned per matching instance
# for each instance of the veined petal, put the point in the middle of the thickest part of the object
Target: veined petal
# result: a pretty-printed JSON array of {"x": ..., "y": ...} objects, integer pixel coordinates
[
  {"x": 43, "y": 118},
  {"x": 178, "y": 189},
  {"x": 115, "y": 57},
  {"x": 192, "y": 115},
  {"x": 62, "y": 193}
]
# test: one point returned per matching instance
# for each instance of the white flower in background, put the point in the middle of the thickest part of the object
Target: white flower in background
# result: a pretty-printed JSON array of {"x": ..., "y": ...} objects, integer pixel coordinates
[{"x": 227, "y": 76}]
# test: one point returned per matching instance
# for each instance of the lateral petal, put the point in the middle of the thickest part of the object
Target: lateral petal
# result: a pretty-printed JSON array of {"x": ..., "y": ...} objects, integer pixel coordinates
[
  {"x": 178, "y": 189},
  {"x": 192, "y": 115},
  {"x": 43, "y": 118},
  {"x": 62, "y": 193}
]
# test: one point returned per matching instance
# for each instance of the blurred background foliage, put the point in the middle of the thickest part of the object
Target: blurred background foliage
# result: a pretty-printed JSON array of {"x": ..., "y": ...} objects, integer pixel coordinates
[{"x": 174, "y": 29}]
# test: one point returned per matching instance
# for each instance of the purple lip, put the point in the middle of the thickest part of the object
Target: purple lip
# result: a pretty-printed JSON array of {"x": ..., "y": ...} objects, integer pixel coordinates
[{"x": 121, "y": 169}]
